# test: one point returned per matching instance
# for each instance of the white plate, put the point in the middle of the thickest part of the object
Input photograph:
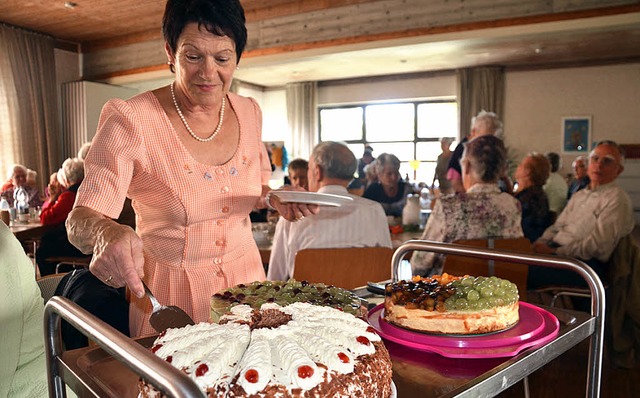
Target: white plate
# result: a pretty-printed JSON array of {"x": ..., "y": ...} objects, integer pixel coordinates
[
  {"x": 312, "y": 198},
  {"x": 394, "y": 391}
]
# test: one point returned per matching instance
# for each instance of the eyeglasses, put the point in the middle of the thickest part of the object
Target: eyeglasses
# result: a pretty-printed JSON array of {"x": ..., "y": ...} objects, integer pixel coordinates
[{"x": 606, "y": 160}]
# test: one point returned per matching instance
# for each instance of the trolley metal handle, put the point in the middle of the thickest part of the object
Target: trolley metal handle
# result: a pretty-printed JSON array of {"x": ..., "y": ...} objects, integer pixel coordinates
[
  {"x": 171, "y": 381},
  {"x": 587, "y": 273}
]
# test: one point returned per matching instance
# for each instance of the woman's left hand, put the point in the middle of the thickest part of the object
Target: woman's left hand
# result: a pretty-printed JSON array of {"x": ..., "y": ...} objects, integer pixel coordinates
[{"x": 292, "y": 211}]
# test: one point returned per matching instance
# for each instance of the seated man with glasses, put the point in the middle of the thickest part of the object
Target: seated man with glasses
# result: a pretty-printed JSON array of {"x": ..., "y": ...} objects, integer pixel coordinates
[{"x": 592, "y": 223}]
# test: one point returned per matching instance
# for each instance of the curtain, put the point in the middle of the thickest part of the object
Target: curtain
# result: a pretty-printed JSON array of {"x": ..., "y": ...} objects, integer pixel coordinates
[
  {"x": 29, "y": 120},
  {"x": 302, "y": 106},
  {"x": 479, "y": 89}
]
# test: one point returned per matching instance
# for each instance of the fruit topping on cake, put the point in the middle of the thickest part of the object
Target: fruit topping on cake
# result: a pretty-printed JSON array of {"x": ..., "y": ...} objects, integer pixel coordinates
[
  {"x": 452, "y": 305},
  {"x": 257, "y": 293}
]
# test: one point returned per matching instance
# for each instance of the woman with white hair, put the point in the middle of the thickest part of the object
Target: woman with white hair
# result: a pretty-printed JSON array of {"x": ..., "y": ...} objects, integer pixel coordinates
[
  {"x": 19, "y": 178},
  {"x": 481, "y": 212},
  {"x": 390, "y": 190},
  {"x": 60, "y": 203},
  {"x": 484, "y": 123},
  {"x": 62, "y": 191}
]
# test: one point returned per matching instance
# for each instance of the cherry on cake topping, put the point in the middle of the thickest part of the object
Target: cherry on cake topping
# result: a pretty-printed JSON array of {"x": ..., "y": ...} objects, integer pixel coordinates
[
  {"x": 304, "y": 283},
  {"x": 241, "y": 296},
  {"x": 370, "y": 329},
  {"x": 161, "y": 335},
  {"x": 241, "y": 286},
  {"x": 202, "y": 369},
  {"x": 226, "y": 294},
  {"x": 156, "y": 348},
  {"x": 251, "y": 376},
  {"x": 344, "y": 358},
  {"x": 305, "y": 372},
  {"x": 169, "y": 358},
  {"x": 363, "y": 340}
]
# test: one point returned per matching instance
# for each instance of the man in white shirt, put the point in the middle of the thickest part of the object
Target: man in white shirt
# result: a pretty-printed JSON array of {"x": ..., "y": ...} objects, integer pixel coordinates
[
  {"x": 556, "y": 187},
  {"x": 360, "y": 223},
  {"x": 595, "y": 219}
]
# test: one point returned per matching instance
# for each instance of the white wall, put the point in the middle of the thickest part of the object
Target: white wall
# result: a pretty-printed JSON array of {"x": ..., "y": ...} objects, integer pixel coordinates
[
  {"x": 273, "y": 103},
  {"x": 536, "y": 101},
  {"x": 443, "y": 85}
]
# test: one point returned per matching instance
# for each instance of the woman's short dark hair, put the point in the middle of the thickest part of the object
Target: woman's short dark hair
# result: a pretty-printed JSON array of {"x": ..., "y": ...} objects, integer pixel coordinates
[
  {"x": 220, "y": 17},
  {"x": 539, "y": 168},
  {"x": 487, "y": 157},
  {"x": 298, "y": 164}
]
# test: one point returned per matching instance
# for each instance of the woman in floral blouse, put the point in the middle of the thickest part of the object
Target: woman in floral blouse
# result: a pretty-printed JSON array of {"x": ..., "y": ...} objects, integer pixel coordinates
[{"x": 479, "y": 213}]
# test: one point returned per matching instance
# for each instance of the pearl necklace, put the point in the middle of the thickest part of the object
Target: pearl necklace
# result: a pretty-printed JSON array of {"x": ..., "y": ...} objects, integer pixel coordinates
[{"x": 184, "y": 120}]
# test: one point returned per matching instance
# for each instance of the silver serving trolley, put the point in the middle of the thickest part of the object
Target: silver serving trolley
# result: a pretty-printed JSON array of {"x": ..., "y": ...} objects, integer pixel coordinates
[
  {"x": 511, "y": 372},
  {"x": 112, "y": 369}
]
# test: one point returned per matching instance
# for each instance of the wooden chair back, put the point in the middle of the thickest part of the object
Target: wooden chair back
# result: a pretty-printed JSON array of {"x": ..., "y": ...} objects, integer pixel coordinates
[
  {"x": 347, "y": 268},
  {"x": 516, "y": 273}
]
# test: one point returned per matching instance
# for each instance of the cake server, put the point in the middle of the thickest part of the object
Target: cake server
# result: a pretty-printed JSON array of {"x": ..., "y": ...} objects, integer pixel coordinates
[{"x": 164, "y": 317}]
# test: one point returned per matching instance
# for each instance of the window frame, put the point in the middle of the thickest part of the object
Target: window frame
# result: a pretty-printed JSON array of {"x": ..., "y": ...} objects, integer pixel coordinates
[{"x": 364, "y": 140}]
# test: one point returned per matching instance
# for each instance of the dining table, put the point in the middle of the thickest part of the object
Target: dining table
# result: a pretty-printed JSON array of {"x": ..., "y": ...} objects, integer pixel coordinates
[{"x": 28, "y": 230}]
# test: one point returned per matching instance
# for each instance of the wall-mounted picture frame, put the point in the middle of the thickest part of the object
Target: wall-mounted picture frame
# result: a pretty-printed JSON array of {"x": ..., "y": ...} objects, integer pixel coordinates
[{"x": 576, "y": 134}]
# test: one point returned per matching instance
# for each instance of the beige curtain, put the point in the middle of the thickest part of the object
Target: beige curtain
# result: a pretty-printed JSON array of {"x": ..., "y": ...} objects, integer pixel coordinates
[
  {"x": 29, "y": 121},
  {"x": 479, "y": 89},
  {"x": 302, "y": 115}
]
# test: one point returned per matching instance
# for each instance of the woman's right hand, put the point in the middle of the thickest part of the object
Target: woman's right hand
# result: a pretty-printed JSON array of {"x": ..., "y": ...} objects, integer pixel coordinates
[{"x": 118, "y": 258}]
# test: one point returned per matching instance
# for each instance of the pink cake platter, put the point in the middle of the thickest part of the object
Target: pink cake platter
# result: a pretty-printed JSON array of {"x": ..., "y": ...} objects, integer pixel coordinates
[{"x": 536, "y": 327}]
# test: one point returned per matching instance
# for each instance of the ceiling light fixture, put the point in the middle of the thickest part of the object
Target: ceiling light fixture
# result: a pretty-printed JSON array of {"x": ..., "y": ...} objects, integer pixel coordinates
[{"x": 70, "y": 4}]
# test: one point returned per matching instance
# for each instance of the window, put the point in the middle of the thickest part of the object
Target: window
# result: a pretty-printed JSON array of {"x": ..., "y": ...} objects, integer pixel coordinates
[{"x": 409, "y": 130}]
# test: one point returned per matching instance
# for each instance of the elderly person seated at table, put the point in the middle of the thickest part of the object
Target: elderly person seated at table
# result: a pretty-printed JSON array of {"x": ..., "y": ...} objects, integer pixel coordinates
[
  {"x": 18, "y": 179},
  {"x": 591, "y": 225},
  {"x": 479, "y": 213},
  {"x": 581, "y": 179},
  {"x": 360, "y": 223},
  {"x": 62, "y": 193},
  {"x": 531, "y": 175},
  {"x": 390, "y": 190}
]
